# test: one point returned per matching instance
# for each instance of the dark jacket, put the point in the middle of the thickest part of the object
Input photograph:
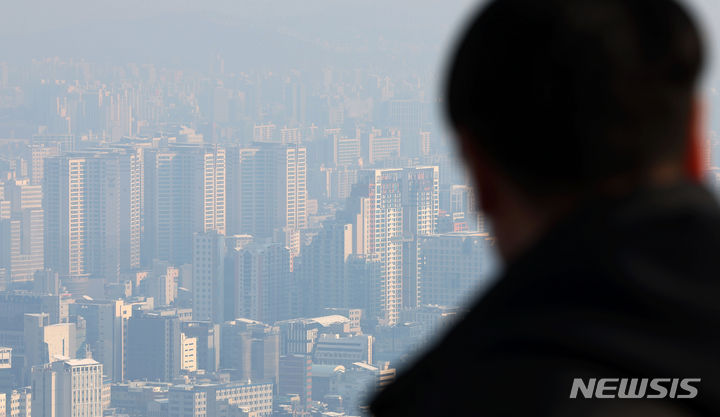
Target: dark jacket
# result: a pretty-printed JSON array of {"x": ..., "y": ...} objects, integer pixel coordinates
[{"x": 625, "y": 287}]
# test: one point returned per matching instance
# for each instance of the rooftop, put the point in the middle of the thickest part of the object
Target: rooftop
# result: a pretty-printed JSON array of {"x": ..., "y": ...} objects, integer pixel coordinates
[
  {"x": 330, "y": 320},
  {"x": 81, "y": 362}
]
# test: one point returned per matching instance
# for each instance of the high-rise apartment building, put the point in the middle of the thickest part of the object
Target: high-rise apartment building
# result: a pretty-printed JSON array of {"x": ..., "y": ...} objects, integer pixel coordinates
[
  {"x": 268, "y": 195},
  {"x": 253, "y": 190},
  {"x": 421, "y": 207},
  {"x": 184, "y": 194},
  {"x": 383, "y": 223},
  {"x": 394, "y": 207},
  {"x": 295, "y": 196},
  {"x": 321, "y": 269},
  {"x": 258, "y": 283},
  {"x": 21, "y": 230},
  {"x": 66, "y": 218},
  {"x": 208, "y": 276},
  {"x": 112, "y": 200},
  {"x": 92, "y": 206},
  {"x": 215, "y": 298}
]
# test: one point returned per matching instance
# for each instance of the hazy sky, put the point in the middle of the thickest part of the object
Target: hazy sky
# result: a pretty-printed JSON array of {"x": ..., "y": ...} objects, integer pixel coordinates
[
  {"x": 270, "y": 32},
  {"x": 31, "y": 15}
]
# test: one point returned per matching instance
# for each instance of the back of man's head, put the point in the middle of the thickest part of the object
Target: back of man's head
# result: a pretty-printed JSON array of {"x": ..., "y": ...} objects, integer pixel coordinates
[{"x": 563, "y": 94}]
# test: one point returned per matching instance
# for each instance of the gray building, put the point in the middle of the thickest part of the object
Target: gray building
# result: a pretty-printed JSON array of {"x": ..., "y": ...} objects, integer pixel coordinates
[
  {"x": 106, "y": 332},
  {"x": 267, "y": 196},
  {"x": 185, "y": 193},
  {"x": 321, "y": 269},
  {"x": 258, "y": 283},
  {"x": 333, "y": 349},
  {"x": 451, "y": 267},
  {"x": 153, "y": 347},
  {"x": 12, "y": 315},
  {"x": 252, "y": 349}
]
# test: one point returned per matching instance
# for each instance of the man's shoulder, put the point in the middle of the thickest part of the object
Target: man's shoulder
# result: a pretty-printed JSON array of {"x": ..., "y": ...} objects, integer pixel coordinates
[
  {"x": 522, "y": 372},
  {"x": 457, "y": 378},
  {"x": 622, "y": 295},
  {"x": 502, "y": 358}
]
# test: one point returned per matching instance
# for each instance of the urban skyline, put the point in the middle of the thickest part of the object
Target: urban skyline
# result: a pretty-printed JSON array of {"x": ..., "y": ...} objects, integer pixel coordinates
[
  {"x": 275, "y": 232},
  {"x": 203, "y": 239}
]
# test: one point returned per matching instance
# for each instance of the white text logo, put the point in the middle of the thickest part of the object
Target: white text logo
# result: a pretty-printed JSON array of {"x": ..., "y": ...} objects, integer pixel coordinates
[{"x": 635, "y": 388}]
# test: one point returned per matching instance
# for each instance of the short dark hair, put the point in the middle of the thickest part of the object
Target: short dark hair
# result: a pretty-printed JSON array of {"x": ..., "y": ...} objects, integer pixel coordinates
[{"x": 562, "y": 94}]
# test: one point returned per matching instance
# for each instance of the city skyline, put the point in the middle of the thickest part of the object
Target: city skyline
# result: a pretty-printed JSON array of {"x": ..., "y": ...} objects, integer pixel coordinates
[
  {"x": 209, "y": 237},
  {"x": 233, "y": 208}
]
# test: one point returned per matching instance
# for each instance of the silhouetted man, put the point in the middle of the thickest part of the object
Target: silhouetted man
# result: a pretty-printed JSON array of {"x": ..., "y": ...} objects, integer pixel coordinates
[{"x": 580, "y": 122}]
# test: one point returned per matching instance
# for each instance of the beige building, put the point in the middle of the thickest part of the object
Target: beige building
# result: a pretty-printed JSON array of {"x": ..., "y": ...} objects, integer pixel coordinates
[
  {"x": 68, "y": 388},
  {"x": 45, "y": 342},
  {"x": 188, "y": 352}
]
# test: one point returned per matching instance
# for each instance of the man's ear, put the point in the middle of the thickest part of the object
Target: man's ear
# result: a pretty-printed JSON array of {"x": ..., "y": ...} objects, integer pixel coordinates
[{"x": 696, "y": 152}]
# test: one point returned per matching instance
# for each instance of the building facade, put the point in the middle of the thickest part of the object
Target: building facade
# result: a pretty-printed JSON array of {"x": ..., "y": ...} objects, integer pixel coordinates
[{"x": 69, "y": 388}]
